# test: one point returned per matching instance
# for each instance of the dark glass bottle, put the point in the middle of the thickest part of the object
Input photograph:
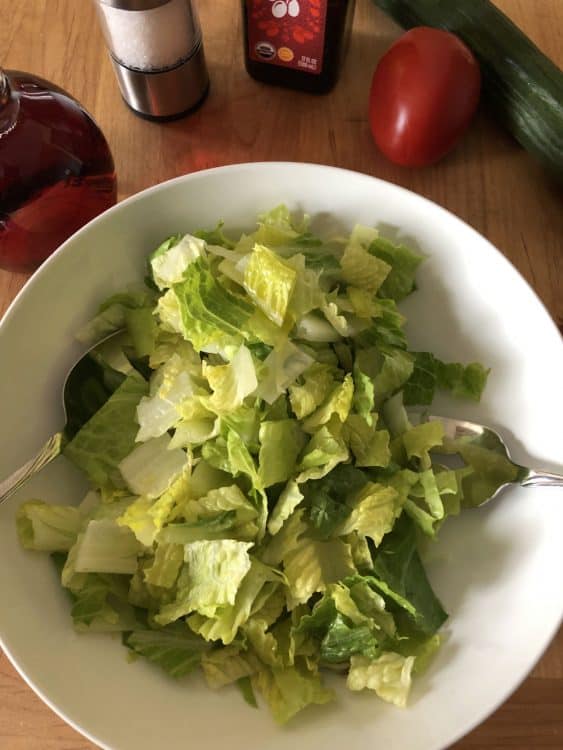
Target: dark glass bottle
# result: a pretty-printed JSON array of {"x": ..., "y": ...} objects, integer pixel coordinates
[
  {"x": 56, "y": 169},
  {"x": 296, "y": 43}
]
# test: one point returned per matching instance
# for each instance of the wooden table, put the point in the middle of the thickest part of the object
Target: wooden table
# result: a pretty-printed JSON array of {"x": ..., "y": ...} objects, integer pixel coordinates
[{"x": 488, "y": 181}]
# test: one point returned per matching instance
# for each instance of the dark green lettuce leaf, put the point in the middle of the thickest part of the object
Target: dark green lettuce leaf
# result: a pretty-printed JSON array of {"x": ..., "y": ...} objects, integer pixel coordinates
[
  {"x": 174, "y": 648},
  {"x": 325, "y": 498},
  {"x": 431, "y": 374},
  {"x": 109, "y": 436},
  {"x": 397, "y": 565},
  {"x": 404, "y": 263}
]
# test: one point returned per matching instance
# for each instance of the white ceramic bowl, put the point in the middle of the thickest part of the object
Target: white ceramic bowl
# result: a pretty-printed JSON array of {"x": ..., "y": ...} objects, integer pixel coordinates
[{"x": 493, "y": 568}]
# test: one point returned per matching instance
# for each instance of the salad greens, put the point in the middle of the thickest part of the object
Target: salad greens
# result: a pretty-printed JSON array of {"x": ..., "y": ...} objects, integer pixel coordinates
[{"x": 257, "y": 490}]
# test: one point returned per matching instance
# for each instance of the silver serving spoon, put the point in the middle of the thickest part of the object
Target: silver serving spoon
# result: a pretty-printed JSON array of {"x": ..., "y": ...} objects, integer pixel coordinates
[
  {"x": 88, "y": 385},
  {"x": 485, "y": 437}
]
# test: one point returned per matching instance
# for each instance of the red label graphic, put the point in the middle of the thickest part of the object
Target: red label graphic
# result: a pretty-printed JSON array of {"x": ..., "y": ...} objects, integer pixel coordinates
[{"x": 290, "y": 33}]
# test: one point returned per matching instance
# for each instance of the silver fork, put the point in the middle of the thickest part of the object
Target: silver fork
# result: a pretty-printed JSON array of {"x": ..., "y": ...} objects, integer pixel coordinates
[{"x": 485, "y": 437}]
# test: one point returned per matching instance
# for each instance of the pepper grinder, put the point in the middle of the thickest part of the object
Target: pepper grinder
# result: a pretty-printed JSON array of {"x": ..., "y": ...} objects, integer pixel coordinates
[{"x": 157, "y": 54}]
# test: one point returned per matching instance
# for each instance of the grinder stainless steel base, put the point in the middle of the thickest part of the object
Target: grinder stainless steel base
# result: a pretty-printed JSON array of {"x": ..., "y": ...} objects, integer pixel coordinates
[
  {"x": 157, "y": 54},
  {"x": 166, "y": 94}
]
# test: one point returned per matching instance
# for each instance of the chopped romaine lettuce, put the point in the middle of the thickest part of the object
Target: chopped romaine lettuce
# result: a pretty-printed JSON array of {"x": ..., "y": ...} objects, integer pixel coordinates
[{"x": 258, "y": 490}]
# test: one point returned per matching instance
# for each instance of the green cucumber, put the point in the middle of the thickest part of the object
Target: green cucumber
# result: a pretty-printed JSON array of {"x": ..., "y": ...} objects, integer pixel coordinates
[{"x": 523, "y": 87}]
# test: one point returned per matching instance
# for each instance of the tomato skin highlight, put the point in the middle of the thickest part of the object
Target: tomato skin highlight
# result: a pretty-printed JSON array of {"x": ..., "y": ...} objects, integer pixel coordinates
[{"x": 424, "y": 93}]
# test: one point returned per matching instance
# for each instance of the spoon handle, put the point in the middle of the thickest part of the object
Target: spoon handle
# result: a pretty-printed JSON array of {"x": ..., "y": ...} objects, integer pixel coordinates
[
  {"x": 47, "y": 453},
  {"x": 542, "y": 479}
]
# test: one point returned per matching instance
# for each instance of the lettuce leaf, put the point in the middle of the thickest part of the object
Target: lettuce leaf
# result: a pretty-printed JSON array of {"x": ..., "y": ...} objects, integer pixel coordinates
[
  {"x": 281, "y": 442},
  {"x": 106, "y": 547},
  {"x": 228, "y": 619},
  {"x": 311, "y": 565},
  {"x": 400, "y": 576},
  {"x": 283, "y": 365},
  {"x": 100, "y": 604},
  {"x": 326, "y": 499},
  {"x": 322, "y": 453},
  {"x": 204, "y": 311},
  {"x": 47, "y": 528},
  {"x": 342, "y": 641},
  {"x": 289, "y": 499},
  {"x": 421, "y": 439},
  {"x": 175, "y": 649},
  {"x": 389, "y": 675},
  {"x": 211, "y": 578},
  {"x": 338, "y": 402},
  {"x": 104, "y": 441},
  {"x": 269, "y": 282},
  {"x": 152, "y": 467},
  {"x": 369, "y": 446},
  {"x": 169, "y": 264},
  {"x": 167, "y": 562},
  {"x": 431, "y": 374},
  {"x": 170, "y": 386},
  {"x": 404, "y": 262},
  {"x": 361, "y": 269},
  {"x": 112, "y": 314},
  {"x": 228, "y": 664},
  {"x": 231, "y": 383},
  {"x": 373, "y": 512},
  {"x": 289, "y": 690},
  {"x": 305, "y": 397}
]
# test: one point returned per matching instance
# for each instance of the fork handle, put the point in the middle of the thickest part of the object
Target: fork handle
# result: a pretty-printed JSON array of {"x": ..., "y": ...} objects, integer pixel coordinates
[
  {"x": 47, "y": 453},
  {"x": 542, "y": 479}
]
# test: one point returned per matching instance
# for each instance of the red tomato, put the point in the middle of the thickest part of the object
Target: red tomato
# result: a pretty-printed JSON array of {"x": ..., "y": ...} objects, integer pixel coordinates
[{"x": 424, "y": 93}]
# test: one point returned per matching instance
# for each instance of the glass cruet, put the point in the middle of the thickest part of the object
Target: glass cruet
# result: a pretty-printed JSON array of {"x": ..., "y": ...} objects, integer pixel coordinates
[{"x": 56, "y": 169}]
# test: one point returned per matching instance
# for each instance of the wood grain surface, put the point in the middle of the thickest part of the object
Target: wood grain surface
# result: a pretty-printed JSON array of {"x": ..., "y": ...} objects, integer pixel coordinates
[{"x": 489, "y": 181}]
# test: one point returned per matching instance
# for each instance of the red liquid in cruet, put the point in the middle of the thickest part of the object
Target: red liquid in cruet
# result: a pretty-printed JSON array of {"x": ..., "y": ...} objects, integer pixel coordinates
[{"x": 56, "y": 171}]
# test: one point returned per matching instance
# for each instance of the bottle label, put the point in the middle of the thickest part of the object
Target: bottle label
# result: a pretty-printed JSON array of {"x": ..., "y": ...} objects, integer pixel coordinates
[{"x": 289, "y": 33}]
